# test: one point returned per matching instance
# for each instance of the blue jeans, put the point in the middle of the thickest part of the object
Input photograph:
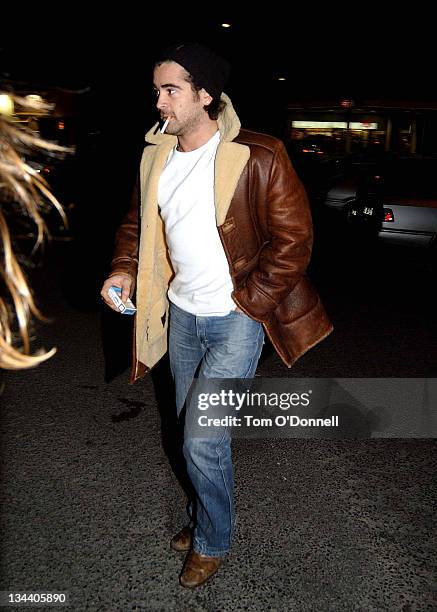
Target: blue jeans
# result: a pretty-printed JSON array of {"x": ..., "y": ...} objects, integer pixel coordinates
[{"x": 211, "y": 347}]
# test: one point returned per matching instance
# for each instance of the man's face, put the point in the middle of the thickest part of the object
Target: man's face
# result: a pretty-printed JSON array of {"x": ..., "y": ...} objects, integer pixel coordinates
[{"x": 177, "y": 101}]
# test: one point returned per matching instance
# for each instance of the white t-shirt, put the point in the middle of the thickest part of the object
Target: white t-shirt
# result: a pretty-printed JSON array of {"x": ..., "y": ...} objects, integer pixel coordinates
[{"x": 202, "y": 284}]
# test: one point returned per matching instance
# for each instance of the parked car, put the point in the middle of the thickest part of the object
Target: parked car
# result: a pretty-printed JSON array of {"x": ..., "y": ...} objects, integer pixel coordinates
[{"x": 396, "y": 198}]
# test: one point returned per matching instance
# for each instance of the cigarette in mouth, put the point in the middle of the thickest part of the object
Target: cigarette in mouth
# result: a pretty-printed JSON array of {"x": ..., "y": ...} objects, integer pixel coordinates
[{"x": 164, "y": 127}]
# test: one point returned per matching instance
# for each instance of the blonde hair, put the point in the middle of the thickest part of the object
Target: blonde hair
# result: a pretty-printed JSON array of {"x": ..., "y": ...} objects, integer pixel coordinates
[{"x": 22, "y": 185}]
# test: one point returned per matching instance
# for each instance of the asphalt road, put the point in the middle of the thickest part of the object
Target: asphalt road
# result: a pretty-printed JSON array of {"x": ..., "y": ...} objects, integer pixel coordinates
[{"x": 90, "y": 501}]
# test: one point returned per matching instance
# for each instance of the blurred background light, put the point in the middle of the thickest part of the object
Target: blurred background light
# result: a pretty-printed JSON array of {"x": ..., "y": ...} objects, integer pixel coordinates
[{"x": 6, "y": 105}]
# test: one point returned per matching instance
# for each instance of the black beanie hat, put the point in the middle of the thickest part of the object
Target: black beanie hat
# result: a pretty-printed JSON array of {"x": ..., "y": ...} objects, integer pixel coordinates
[{"x": 208, "y": 69}]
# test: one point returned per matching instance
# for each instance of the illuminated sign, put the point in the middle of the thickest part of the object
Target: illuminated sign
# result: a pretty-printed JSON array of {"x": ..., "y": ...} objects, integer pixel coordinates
[
  {"x": 365, "y": 125},
  {"x": 337, "y": 125},
  {"x": 319, "y": 124}
]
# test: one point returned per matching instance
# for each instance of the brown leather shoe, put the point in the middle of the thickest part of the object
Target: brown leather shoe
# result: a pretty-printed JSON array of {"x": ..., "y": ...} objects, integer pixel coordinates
[
  {"x": 198, "y": 569},
  {"x": 181, "y": 542}
]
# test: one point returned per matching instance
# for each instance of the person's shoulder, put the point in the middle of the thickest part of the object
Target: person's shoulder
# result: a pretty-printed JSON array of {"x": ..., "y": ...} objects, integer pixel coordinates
[{"x": 257, "y": 139}]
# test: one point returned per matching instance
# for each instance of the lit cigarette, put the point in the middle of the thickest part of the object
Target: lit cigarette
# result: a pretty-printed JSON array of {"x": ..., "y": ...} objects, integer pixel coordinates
[{"x": 164, "y": 127}]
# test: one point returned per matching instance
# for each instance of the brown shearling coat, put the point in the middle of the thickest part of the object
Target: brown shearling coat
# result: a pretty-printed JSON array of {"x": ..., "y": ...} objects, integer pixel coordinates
[{"x": 264, "y": 223}]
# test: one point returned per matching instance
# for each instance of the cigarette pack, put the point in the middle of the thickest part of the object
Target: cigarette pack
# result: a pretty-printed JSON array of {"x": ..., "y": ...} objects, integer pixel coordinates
[{"x": 126, "y": 308}]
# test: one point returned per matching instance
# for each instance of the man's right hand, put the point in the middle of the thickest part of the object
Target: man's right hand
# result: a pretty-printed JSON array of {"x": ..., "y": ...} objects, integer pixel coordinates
[{"x": 126, "y": 284}]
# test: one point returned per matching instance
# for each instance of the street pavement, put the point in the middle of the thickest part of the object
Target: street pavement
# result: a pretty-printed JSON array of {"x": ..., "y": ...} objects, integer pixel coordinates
[{"x": 90, "y": 499}]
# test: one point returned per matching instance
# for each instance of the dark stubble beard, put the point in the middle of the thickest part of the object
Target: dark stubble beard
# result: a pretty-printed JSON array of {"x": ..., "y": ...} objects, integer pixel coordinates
[{"x": 187, "y": 126}]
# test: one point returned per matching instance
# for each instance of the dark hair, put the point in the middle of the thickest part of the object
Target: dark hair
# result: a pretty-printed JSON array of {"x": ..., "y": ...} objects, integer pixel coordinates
[{"x": 215, "y": 107}]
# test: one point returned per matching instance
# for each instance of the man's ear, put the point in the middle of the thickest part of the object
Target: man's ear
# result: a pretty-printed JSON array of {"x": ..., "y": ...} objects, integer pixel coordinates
[{"x": 205, "y": 97}]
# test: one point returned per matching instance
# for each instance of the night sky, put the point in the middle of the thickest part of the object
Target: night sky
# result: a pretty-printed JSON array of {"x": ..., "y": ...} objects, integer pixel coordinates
[{"x": 323, "y": 52}]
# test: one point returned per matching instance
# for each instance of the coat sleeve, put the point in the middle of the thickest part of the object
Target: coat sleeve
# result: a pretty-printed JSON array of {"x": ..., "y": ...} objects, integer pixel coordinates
[
  {"x": 283, "y": 260},
  {"x": 125, "y": 257}
]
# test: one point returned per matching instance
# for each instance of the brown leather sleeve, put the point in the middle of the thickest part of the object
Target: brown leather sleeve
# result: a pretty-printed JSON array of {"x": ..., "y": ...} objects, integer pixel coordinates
[
  {"x": 125, "y": 258},
  {"x": 284, "y": 259}
]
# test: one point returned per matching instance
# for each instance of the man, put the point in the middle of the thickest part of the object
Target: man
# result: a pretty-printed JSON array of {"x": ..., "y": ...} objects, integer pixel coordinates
[{"x": 225, "y": 239}]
